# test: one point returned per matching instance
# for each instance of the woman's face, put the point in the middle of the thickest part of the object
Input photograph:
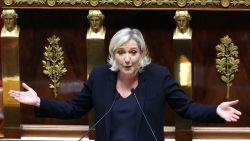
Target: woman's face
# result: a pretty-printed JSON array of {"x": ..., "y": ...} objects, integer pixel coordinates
[{"x": 127, "y": 57}]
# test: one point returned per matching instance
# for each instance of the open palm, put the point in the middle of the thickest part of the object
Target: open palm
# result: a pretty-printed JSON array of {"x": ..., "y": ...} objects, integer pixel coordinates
[
  {"x": 26, "y": 97},
  {"x": 227, "y": 112}
]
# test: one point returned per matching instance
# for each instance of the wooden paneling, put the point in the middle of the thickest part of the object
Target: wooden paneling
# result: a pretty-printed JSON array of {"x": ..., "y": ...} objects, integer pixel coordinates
[
  {"x": 208, "y": 88},
  {"x": 1, "y": 90},
  {"x": 36, "y": 27},
  {"x": 221, "y": 133},
  {"x": 157, "y": 27},
  {"x": 71, "y": 27},
  {"x": 169, "y": 132},
  {"x": 1, "y": 25}
]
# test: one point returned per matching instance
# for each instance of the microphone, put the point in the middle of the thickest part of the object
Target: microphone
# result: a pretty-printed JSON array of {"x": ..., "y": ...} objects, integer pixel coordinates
[
  {"x": 100, "y": 119},
  {"x": 151, "y": 129}
]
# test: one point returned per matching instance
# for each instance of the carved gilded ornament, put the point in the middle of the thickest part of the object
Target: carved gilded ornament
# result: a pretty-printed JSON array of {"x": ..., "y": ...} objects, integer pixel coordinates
[
  {"x": 96, "y": 29},
  {"x": 203, "y": 2},
  {"x": 53, "y": 63},
  {"x": 240, "y": 2},
  {"x": 10, "y": 27},
  {"x": 72, "y": 2},
  {"x": 8, "y": 2},
  {"x": 227, "y": 61},
  {"x": 180, "y": 3},
  {"x": 225, "y": 3},
  {"x": 93, "y": 2},
  {"x": 138, "y": 2},
  {"x": 51, "y": 2}
]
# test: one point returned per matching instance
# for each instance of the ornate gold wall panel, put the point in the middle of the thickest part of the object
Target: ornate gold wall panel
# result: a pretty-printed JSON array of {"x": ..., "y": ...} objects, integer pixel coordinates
[
  {"x": 53, "y": 63},
  {"x": 227, "y": 62},
  {"x": 11, "y": 80},
  {"x": 119, "y": 4}
]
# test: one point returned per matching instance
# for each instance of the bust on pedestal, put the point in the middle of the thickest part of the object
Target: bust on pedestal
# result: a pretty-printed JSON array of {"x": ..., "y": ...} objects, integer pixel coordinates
[
  {"x": 182, "y": 47},
  {"x": 96, "y": 29},
  {"x": 182, "y": 30},
  {"x": 10, "y": 28}
]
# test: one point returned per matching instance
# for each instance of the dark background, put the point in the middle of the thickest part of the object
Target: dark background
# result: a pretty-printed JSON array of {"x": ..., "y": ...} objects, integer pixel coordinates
[{"x": 157, "y": 27}]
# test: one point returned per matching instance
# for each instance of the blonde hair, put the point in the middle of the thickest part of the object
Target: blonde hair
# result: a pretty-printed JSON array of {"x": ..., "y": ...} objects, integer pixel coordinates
[{"x": 123, "y": 36}]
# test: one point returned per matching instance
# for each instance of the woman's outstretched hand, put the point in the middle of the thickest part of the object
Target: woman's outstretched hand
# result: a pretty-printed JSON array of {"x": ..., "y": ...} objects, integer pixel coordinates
[
  {"x": 28, "y": 97},
  {"x": 227, "y": 112}
]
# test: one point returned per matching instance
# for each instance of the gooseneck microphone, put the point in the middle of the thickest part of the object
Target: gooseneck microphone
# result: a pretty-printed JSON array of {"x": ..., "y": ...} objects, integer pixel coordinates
[
  {"x": 100, "y": 119},
  {"x": 151, "y": 129}
]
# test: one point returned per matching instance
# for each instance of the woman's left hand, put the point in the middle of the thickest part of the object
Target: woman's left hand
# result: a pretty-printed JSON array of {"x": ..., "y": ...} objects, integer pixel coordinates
[{"x": 227, "y": 112}]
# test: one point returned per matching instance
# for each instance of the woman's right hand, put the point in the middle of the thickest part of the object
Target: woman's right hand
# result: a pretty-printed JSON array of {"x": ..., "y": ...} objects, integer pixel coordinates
[{"x": 28, "y": 97}]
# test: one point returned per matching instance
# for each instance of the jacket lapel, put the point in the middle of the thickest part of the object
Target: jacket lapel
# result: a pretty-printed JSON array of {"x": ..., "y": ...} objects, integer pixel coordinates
[
  {"x": 141, "y": 93},
  {"x": 110, "y": 95}
]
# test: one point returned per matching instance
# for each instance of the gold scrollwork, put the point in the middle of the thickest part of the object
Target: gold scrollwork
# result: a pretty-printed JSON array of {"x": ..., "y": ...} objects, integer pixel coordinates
[
  {"x": 30, "y": 2},
  {"x": 53, "y": 63},
  {"x": 247, "y": 2},
  {"x": 137, "y": 2},
  {"x": 159, "y": 2},
  {"x": 181, "y": 3},
  {"x": 72, "y": 2},
  {"x": 8, "y": 2},
  {"x": 204, "y": 2},
  {"x": 225, "y": 3},
  {"x": 116, "y": 2},
  {"x": 93, "y": 2},
  {"x": 227, "y": 61},
  {"x": 51, "y": 2}
]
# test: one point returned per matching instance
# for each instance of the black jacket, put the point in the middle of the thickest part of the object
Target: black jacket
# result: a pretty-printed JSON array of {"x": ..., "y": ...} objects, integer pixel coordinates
[{"x": 156, "y": 87}]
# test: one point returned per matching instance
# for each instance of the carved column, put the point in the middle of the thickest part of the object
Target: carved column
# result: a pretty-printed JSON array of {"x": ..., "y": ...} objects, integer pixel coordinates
[
  {"x": 95, "y": 49},
  {"x": 182, "y": 47},
  {"x": 10, "y": 73}
]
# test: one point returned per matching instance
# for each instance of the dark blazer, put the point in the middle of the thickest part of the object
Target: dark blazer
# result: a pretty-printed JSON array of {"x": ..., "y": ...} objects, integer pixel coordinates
[{"x": 156, "y": 87}]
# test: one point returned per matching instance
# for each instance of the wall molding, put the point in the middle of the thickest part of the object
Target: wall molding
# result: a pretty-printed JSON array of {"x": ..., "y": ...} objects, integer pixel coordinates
[{"x": 169, "y": 131}]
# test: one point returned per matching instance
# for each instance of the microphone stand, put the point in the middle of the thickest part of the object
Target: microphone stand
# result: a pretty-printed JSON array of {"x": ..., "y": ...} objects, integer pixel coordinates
[
  {"x": 104, "y": 115},
  {"x": 151, "y": 129}
]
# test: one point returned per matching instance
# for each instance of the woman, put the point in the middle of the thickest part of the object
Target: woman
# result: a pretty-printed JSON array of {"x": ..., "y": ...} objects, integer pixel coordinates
[{"x": 122, "y": 114}]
